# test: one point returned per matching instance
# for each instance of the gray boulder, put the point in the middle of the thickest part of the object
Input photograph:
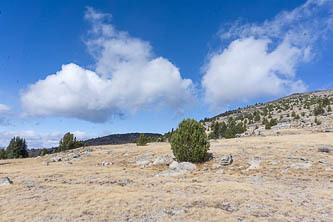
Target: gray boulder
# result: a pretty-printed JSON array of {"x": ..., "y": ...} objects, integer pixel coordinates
[
  {"x": 301, "y": 165},
  {"x": 163, "y": 160},
  {"x": 325, "y": 148},
  {"x": 73, "y": 155},
  {"x": 5, "y": 181},
  {"x": 145, "y": 159},
  {"x": 30, "y": 182},
  {"x": 254, "y": 163},
  {"x": 56, "y": 159},
  {"x": 105, "y": 163},
  {"x": 67, "y": 163},
  {"x": 226, "y": 160},
  {"x": 220, "y": 171},
  {"x": 177, "y": 169},
  {"x": 167, "y": 173},
  {"x": 182, "y": 166}
]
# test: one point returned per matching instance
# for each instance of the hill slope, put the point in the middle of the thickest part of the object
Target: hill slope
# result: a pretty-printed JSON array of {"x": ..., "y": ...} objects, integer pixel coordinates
[
  {"x": 311, "y": 110},
  {"x": 119, "y": 138}
]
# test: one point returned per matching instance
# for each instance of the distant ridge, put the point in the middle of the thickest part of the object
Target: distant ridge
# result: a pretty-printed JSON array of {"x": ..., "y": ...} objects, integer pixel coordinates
[{"x": 119, "y": 139}]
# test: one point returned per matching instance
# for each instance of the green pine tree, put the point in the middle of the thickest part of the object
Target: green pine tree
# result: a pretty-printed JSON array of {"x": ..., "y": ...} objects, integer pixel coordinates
[
  {"x": 3, "y": 154},
  {"x": 189, "y": 142},
  {"x": 17, "y": 148},
  {"x": 69, "y": 142}
]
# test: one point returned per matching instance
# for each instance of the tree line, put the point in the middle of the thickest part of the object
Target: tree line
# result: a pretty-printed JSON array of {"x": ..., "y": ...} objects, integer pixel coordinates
[{"x": 17, "y": 147}]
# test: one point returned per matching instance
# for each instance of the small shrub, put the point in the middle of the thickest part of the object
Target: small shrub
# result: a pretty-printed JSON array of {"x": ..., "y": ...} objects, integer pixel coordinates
[
  {"x": 293, "y": 114},
  {"x": 268, "y": 126},
  {"x": 142, "y": 140},
  {"x": 318, "y": 110},
  {"x": 318, "y": 122},
  {"x": 273, "y": 122},
  {"x": 189, "y": 142}
]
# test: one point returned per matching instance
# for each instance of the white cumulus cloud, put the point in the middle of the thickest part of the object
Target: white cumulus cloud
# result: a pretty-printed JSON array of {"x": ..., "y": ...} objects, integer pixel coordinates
[
  {"x": 127, "y": 77},
  {"x": 261, "y": 60}
]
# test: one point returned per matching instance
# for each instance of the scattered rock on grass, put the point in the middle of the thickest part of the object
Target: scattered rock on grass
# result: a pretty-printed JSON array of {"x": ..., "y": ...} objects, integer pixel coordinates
[
  {"x": 56, "y": 159},
  {"x": 226, "y": 160},
  {"x": 67, "y": 163},
  {"x": 254, "y": 163},
  {"x": 182, "y": 166},
  {"x": 163, "y": 160},
  {"x": 104, "y": 163},
  {"x": 325, "y": 148},
  {"x": 5, "y": 181},
  {"x": 301, "y": 165},
  {"x": 45, "y": 163},
  {"x": 220, "y": 171},
  {"x": 177, "y": 169}
]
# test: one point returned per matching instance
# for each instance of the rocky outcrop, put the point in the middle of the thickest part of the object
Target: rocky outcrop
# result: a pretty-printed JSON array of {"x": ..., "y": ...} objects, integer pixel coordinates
[{"x": 177, "y": 169}]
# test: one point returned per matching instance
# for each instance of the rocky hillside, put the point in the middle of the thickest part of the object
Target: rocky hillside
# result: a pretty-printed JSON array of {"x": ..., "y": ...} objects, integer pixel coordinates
[{"x": 311, "y": 110}]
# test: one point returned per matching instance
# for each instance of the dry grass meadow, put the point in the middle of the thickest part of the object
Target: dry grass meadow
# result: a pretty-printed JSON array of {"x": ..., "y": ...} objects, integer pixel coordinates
[{"x": 88, "y": 191}]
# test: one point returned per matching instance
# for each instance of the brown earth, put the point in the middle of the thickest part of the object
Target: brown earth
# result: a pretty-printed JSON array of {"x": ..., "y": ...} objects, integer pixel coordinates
[{"x": 88, "y": 191}]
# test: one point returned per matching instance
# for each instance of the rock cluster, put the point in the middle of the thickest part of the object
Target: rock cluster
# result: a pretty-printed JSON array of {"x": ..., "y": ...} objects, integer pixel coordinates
[
  {"x": 177, "y": 169},
  {"x": 145, "y": 159},
  {"x": 69, "y": 155}
]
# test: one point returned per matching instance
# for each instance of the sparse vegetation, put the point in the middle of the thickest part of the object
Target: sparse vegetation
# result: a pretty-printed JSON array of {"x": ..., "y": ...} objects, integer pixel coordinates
[
  {"x": 142, "y": 140},
  {"x": 318, "y": 110},
  {"x": 317, "y": 122}
]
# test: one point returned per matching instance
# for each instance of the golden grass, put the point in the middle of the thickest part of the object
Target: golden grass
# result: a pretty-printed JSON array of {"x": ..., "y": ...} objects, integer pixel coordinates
[{"x": 87, "y": 191}]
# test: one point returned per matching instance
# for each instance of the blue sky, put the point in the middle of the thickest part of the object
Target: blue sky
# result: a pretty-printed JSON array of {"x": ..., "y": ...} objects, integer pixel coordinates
[{"x": 101, "y": 67}]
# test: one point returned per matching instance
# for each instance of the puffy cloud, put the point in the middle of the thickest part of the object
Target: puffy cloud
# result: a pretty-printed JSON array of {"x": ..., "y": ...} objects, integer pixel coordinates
[
  {"x": 261, "y": 60},
  {"x": 127, "y": 78},
  {"x": 38, "y": 140}
]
